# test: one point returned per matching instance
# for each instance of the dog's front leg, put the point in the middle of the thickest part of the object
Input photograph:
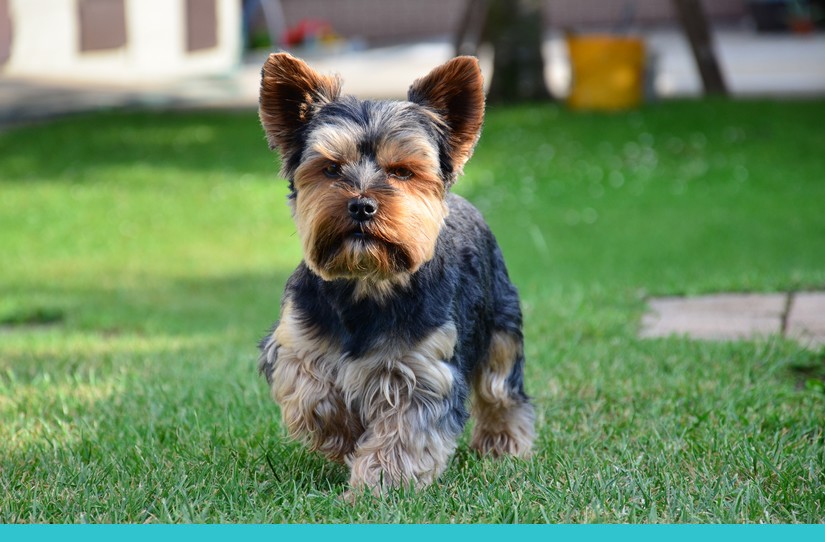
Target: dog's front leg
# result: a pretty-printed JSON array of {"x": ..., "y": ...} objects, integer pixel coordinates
[
  {"x": 312, "y": 410},
  {"x": 405, "y": 445},
  {"x": 301, "y": 370},
  {"x": 411, "y": 403}
]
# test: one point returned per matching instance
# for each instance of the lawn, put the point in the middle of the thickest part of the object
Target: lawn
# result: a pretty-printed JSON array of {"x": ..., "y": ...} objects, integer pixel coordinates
[{"x": 144, "y": 254}]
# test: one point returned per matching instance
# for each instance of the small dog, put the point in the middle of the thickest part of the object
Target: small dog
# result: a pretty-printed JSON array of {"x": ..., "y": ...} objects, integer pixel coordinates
[{"x": 402, "y": 302}]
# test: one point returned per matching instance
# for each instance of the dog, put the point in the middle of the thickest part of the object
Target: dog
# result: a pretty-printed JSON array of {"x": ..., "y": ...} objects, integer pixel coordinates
[{"x": 402, "y": 303}]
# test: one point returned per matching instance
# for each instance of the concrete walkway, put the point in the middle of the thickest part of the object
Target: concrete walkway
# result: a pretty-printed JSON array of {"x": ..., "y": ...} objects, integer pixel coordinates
[
  {"x": 798, "y": 316},
  {"x": 754, "y": 64}
]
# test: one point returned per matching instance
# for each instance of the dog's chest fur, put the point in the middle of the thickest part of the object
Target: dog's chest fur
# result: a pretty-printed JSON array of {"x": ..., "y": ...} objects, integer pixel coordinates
[{"x": 389, "y": 373}]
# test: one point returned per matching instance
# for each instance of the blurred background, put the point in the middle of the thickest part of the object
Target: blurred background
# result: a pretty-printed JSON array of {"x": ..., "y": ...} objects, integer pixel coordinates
[
  {"x": 58, "y": 56},
  {"x": 669, "y": 148}
]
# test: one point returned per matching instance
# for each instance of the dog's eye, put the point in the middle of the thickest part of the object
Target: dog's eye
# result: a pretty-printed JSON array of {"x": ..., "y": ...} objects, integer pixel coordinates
[
  {"x": 401, "y": 173},
  {"x": 333, "y": 171}
]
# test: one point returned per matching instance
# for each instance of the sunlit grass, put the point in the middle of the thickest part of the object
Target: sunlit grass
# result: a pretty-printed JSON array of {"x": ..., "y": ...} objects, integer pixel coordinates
[{"x": 144, "y": 255}]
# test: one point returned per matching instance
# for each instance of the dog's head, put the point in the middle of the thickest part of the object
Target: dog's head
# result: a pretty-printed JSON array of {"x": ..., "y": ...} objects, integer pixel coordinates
[{"x": 368, "y": 178}]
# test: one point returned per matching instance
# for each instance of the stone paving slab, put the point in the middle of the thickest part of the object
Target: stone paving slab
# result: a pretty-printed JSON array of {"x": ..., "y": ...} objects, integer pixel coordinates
[
  {"x": 798, "y": 316},
  {"x": 725, "y": 316},
  {"x": 806, "y": 319}
]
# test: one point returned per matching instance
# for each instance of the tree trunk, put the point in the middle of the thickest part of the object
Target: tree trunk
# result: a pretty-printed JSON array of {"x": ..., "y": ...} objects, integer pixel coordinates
[
  {"x": 471, "y": 28},
  {"x": 515, "y": 30},
  {"x": 695, "y": 25}
]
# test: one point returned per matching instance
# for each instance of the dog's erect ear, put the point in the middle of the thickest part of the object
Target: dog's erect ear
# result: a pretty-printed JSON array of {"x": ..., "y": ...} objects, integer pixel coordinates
[
  {"x": 291, "y": 91},
  {"x": 455, "y": 91}
]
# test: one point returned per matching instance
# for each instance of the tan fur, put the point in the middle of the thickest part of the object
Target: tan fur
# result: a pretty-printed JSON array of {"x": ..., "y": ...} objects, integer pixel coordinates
[
  {"x": 455, "y": 92},
  {"x": 409, "y": 217},
  {"x": 401, "y": 149},
  {"x": 303, "y": 379},
  {"x": 504, "y": 423},
  {"x": 334, "y": 143},
  {"x": 402, "y": 396},
  {"x": 380, "y": 289},
  {"x": 399, "y": 394},
  {"x": 290, "y": 92}
]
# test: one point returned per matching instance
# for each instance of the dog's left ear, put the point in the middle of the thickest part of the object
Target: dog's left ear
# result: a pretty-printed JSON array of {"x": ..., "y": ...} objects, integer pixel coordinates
[{"x": 455, "y": 91}]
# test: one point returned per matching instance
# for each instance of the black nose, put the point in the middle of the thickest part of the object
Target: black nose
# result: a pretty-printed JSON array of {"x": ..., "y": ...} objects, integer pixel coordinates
[{"x": 362, "y": 209}]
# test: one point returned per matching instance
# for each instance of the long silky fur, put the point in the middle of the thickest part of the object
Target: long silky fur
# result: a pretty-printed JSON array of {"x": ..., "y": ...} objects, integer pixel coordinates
[{"x": 387, "y": 325}]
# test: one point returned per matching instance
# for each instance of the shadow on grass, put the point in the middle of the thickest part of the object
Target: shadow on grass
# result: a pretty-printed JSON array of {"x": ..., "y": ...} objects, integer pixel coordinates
[
  {"x": 180, "y": 307},
  {"x": 197, "y": 141},
  {"x": 809, "y": 372}
]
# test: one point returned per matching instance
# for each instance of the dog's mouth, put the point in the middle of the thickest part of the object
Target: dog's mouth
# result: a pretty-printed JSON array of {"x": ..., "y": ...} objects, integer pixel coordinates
[
  {"x": 358, "y": 253},
  {"x": 362, "y": 235}
]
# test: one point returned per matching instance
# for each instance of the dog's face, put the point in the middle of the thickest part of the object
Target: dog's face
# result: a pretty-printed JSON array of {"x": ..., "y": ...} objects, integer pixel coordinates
[{"x": 368, "y": 178}]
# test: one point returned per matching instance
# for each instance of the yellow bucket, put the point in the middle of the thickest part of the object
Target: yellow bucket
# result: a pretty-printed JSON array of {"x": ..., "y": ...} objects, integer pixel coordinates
[{"x": 608, "y": 72}]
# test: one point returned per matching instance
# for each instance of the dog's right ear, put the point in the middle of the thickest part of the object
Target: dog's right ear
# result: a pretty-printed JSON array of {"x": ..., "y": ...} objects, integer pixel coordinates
[{"x": 291, "y": 92}]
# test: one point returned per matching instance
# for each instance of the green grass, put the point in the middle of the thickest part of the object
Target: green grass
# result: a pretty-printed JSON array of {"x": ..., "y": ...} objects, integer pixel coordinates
[{"x": 143, "y": 255}]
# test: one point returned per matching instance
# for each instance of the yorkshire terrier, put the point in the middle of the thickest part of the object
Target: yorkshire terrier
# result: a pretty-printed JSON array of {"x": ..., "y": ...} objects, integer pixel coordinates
[{"x": 402, "y": 302}]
